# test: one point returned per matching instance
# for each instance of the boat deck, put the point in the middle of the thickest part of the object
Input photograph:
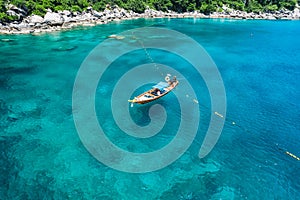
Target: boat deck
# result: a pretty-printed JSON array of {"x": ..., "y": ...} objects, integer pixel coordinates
[{"x": 155, "y": 93}]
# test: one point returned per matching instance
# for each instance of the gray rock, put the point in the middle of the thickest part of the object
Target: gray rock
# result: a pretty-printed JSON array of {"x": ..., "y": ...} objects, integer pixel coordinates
[
  {"x": 110, "y": 16},
  {"x": 127, "y": 15},
  {"x": 117, "y": 15},
  {"x": 87, "y": 16},
  {"x": 296, "y": 13},
  {"x": 11, "y": 13},
  {"x": 66, "y": 13},
  {"x": 270, "y": 17},
  {"x": 66, "y": 18},
  {"x": 74, "y": 19},
  {"x": 89, "y": 8},
  {"x": 18, "y": 16},
  {"x": 107, "y": 11},
  {"x": 38, "y": 25},
  {"x": 16, "y": 9},
  {"x": 35, "y": 19},
  {"x": 116, "y": 10},
  {"x": 97, "y": 14},
  {"x": 15, "y": 27},
  {"x": 53, "y": 18},
  {"x": 21, "y": 25}
]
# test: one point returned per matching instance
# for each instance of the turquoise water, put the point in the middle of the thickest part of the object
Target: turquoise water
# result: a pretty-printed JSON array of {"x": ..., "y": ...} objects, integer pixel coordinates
[{"x": 42, "y": 156}]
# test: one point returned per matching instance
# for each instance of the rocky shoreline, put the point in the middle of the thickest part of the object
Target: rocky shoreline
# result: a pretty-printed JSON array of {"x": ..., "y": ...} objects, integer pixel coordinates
[{"x": 55, "y": 21}]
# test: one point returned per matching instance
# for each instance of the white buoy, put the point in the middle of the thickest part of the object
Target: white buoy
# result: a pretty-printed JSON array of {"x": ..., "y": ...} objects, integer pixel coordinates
[{"x": 218, "y": 114}]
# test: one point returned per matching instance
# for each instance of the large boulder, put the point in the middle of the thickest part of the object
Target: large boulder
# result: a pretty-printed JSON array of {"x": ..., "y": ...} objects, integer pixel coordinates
[
  {"x": 296, "y": 13},
  {"x": 89, "y": 9},
  {"x": 66, "y": 18},
  {"x": 18, "y": 26},
  {"x": 107, "y": 12},
  {"x": 66, "y": 13},
  {"x": 17, "y": 10},
  {"x": 75, "y": 14},
  {"x": 53, "y": 19},
  {"x": 97, "y": 14},
  {"x": 35, "y": 19},
  {"x": 17, "y": 16},
  {"x": 87, "y": 17},
  {"x": 11, "y": 13}
]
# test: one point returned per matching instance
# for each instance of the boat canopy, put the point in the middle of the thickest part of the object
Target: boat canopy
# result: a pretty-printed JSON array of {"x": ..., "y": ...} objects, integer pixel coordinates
[{"x": 161, "y": 85}]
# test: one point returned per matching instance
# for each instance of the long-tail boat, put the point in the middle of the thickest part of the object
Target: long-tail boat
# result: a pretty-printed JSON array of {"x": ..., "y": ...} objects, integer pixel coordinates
[{"x": 159, "y": 90}]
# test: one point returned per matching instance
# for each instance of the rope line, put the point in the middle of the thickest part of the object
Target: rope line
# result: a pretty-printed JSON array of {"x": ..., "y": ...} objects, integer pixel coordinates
[
  {"x": 145, "y": 50},
  {"x": 228, "y": 120}
]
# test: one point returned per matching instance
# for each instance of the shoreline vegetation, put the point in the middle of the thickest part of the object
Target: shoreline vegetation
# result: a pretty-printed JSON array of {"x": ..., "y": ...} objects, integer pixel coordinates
[{"x": 24, "y": 20}]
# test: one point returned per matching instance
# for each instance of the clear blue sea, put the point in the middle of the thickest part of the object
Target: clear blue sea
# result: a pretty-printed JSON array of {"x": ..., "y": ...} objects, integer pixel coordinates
[{"x": 42, "y": 156}]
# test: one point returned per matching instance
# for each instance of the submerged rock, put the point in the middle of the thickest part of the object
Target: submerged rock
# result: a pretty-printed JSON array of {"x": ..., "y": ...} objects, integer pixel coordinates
[
  {"x": 117, "y": 37},
  {"x": 3, "y": 108},
  {"x": 7, "y": 40},
  {"x": 189, "y": 189},
  {"x": 13, "y": 117},
  {"x": 64, "y": 48},
  {"x": 10, "y": 166},
  {"x": 17, "y": 70},
  {"x": 224, "y": 193}
]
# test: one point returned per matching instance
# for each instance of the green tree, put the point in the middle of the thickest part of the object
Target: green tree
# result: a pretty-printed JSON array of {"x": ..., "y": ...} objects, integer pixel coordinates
[
  {"x": 271, "y": 8},
  {"x": 99, "y": 6},
  {"x": 162, "y": 5},
  {"x": 83, "y": 3},
  {"x": 191, "y": 5},
  {"x": 288, "y": 4},
  {"x": 254, "y": 6},
  {"x": 136, "y": 6},
  {"x": 76, "y": 8},
  {"x": 208, "y": 8},
  {"x": 2, "y": 6},
  {"x": 180, "y": 5},
  {"x": 39, "y": 10}
]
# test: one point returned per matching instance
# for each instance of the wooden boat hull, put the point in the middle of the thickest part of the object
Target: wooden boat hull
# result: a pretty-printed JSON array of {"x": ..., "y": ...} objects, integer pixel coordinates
[{"x": 148, "y": 96}]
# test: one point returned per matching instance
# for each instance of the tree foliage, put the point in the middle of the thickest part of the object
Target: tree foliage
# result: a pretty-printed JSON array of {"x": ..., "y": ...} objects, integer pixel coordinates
[
  {"x": 137, "y": 6},
  {"x": 40, "y": 7}
]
